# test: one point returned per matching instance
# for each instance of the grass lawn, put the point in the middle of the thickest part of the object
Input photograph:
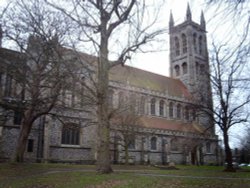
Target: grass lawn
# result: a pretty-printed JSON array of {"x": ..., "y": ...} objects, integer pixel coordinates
[{"x": 80, "y": 176}]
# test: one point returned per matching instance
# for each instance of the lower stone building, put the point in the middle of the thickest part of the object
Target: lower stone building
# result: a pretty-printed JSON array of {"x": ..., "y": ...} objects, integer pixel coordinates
[{"x": 168, "y": 130}]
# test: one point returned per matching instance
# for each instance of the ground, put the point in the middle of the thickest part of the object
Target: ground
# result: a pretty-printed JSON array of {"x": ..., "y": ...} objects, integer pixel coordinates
[{"x": 83, "y": 176}]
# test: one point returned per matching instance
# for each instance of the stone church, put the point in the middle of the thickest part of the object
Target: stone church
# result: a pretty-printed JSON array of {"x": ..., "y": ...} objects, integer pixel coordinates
[{"x": 170, "y": 130}]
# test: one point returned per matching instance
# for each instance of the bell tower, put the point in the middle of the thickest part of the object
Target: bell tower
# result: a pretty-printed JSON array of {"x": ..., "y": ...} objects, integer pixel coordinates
[
  {"x": 188, "y": 51},
  {"x": 189, "y": 60}
]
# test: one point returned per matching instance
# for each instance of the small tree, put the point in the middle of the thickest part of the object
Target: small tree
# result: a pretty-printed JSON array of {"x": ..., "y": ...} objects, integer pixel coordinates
[{"x": 126, "y": 124}]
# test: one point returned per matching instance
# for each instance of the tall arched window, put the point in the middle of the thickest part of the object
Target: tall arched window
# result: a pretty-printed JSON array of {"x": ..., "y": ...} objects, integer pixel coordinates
[
  {"x": 197, "y": 68},
  {"x": 178, "y": 111},
  {"x": 70, "y": 134},
  {"x": 186, "y": 113},
  {"x": 73, "y": 93},
  {"x": 208, "y": 147},
  {"x": 110, "y": 98},
  {"x": 8, "y": 85},
  {"x": 184, "y": 43},
  {"x": 171, "y": 109},
  {"x": 153, "y": 143},
  {"x": 142, "y": 105},
  {"x": 195, "y": 42},
  {"x": 177, "y": 46},
  {"x": 131, "y": 141},
  {"x": 161, "y": 108},
  {"x": 194, "y": 114},
  {"x": 152, "y": 106},
  {"x": 82, "y": 88},
  {"x": 121, "y": 99},
  {"x": 200, "y": 45},
  {"x": 184, "y": 68},
  {"x": 202, "y": 69},
  {"x": 174, "y": 144},
  {"x": 132, "y": 103},
  {"x": 177, "y": 70}
]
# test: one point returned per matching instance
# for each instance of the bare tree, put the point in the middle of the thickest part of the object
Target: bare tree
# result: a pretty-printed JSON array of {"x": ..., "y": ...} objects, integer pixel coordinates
[
  {"x": 230, "y": 90},
  {"x": 38, "y": 69},
  {"x": 229, "y": 75},
  {"x": 125, "y": 124},
  {"x": 114, "y": 30}
]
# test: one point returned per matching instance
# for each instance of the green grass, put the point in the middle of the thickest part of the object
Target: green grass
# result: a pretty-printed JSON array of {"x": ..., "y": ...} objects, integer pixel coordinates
[{"x": 67, "y": 176}]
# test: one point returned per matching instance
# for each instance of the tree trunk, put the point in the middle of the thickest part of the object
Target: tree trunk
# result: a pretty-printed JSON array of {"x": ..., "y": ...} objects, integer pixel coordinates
[
  {"x": 228, "y": 154},
  {"x": 103, "y": 130},
  {"x": 103, "y": 151},
  {"x": 22, "y": 141}
]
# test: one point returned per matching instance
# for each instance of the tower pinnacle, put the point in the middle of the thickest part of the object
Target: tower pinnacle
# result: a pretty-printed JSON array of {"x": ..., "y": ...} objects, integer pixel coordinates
[
  {"x": 171, "y": 20},
  {"x": 202, "y": 21},
  {"x": 1, "y": 35},
  {"x": 188, "y": 13}
]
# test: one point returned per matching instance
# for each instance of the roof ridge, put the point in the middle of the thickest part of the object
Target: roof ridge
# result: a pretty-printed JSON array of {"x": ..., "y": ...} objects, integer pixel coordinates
[{"x": 147, "y": 71}]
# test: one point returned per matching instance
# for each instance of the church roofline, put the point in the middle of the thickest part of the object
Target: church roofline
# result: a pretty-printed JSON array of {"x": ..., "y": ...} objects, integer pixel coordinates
[
  {"x": 185, "y": 24},
  {"x": 144, "y": 79}
]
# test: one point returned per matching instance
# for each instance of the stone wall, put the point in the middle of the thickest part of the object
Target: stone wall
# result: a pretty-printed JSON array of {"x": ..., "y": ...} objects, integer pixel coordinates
[{"x": 71, "y": 154}]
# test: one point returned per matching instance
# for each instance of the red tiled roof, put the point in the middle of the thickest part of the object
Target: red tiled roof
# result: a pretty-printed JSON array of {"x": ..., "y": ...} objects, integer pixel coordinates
[
  {"x": 144, "y": 79},
  {"x": 162, "y": 123}
]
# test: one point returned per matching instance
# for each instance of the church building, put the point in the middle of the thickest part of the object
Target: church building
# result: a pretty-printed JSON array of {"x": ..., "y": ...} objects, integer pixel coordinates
[{"x": 167, "y": 128}]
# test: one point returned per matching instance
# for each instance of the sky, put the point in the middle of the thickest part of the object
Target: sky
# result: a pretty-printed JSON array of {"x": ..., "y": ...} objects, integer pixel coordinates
[{"x": 218, "y": 25}]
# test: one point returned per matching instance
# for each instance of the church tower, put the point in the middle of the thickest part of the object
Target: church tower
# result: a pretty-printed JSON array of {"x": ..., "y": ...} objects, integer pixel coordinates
[
  {"x": 189, "y": 56},
  {"x": 188, "y": 50}
]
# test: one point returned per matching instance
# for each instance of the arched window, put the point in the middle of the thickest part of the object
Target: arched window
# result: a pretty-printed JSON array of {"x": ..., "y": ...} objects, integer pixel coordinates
[
  {"x": 174, "y": 145},
  {"x": 184, "y": 68},
  {"x": 70, "y": 134},
  {"x": 152, "y": 105},
  {"x": 195, "y": 42},
  {"x": 184, "y": 43},
  {"x": 131, "y": 141},
  {"x": 82, "y": 88},
  {"x": 171, "y": 110},
  {"x": 197, "y": 69},
  {"x": 73, "y": 93},
  {"x": 121, "y": 99},
  {"x": 110, "y": 98},
  {"x": 177, "y": 70},
  {"x": 132, "y": 103},
  {"x": 153, "y": 143},
  {"x": 8, "y": 85},
  {"x": 208, "y": 147},
  {"x": 202, "y": 69},
  {"x": 161, "y": 108},
  {"x": 142, "y": 105},
  {"x": 177, "y": 46},
  {"x": 186, "y": 113},
  {"x": 178, "y": 111},
  {"x": 200, "y": 45},
  {"x": 194, "y": 115}
]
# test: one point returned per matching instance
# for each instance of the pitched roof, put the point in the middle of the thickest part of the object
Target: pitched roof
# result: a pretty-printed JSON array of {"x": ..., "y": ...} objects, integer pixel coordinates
[
  {"x": 166, "y": 124},
  {"x": 147, "y": 80},
  {"x": 10, "y": 55}
]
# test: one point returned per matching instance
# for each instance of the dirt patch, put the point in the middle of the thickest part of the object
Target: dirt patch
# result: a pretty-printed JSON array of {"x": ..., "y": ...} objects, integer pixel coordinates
[
  {"x": 41, "y": 186},
  {"x": 108, "y": 184}
]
